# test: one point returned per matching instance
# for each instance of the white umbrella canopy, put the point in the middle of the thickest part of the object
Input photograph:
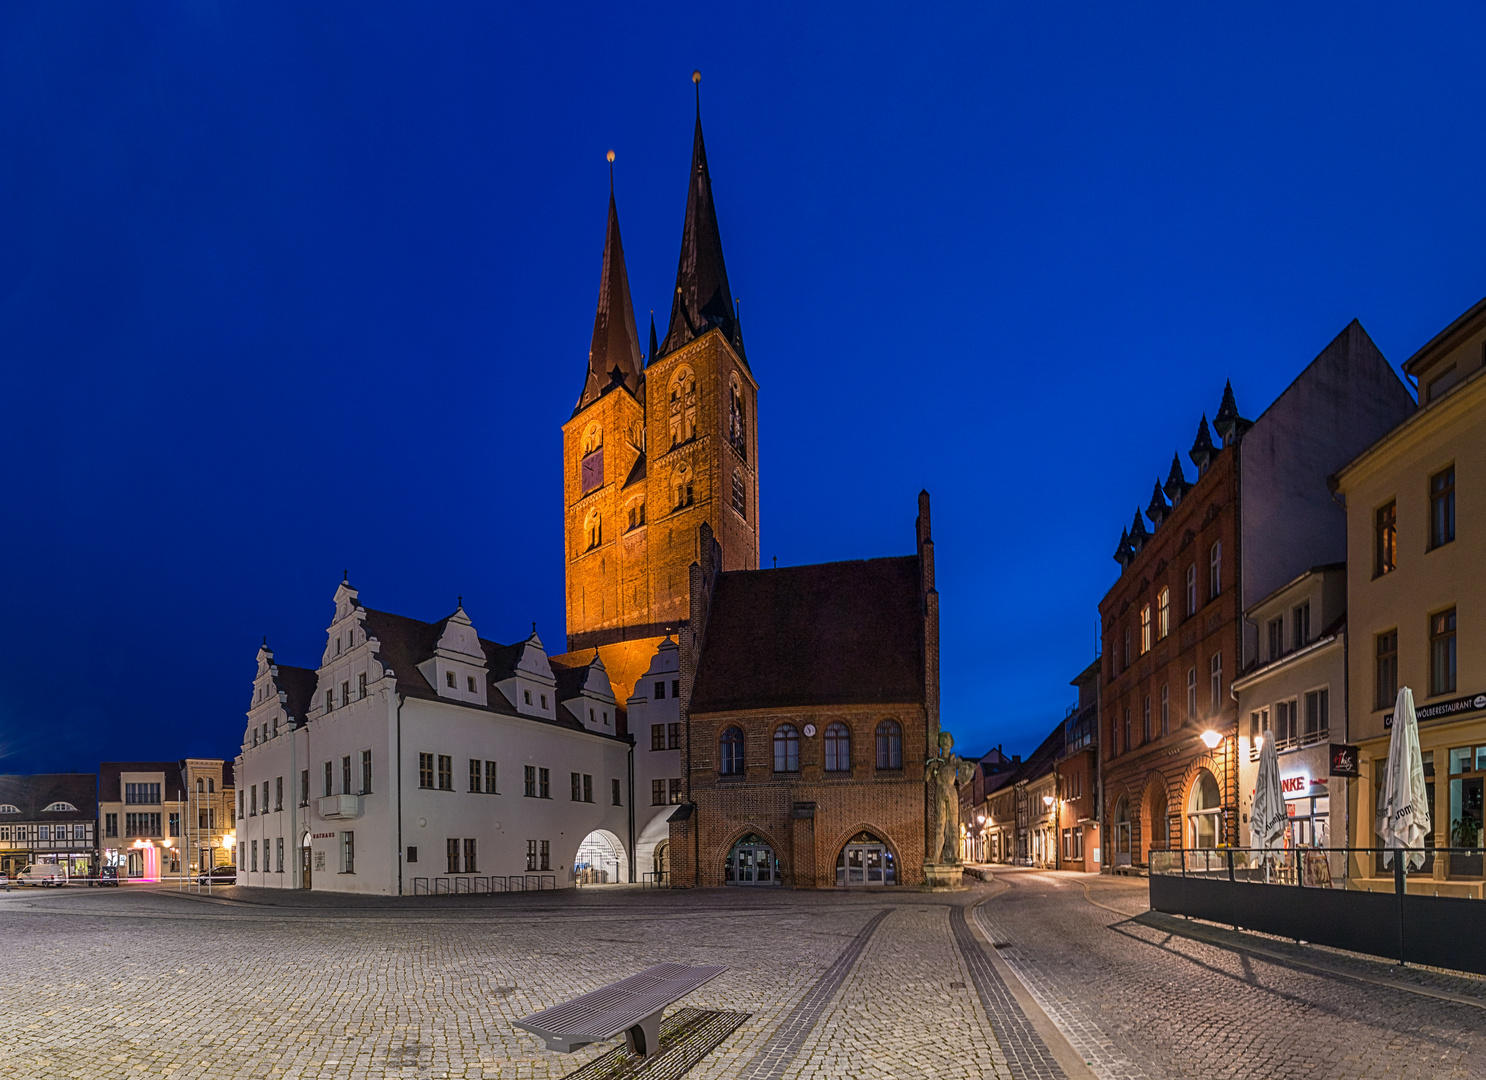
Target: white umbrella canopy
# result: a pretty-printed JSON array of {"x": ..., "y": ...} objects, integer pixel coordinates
[
  {"x": 1403, "y": 819},
  {"x": 1268, "y": 819}
]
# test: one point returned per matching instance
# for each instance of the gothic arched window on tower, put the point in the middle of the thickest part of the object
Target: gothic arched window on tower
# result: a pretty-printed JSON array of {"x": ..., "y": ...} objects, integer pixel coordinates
[
  {"x": 683, "y": 406},
  {"x": 737, "y": 432},
  {"x": 593, "y": 530},
  {"x": 593, "y": 458},
  {"x": 740, "y": 496},
  {"x": 636, "y": 514}
]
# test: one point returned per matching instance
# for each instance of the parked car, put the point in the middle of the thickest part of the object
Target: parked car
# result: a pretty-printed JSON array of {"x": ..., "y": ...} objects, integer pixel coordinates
[
  {"x": 43, "y": 874},
  {"x": 219, "y": 875},
  {"x": 108, "y": 875}
]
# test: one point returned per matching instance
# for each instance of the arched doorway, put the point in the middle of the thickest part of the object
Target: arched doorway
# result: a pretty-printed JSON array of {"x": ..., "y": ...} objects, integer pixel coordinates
[
  {"x": 866, "y": 860},
  {"x": 600, "y": 859},
  {"x": 1204, "y": 812},
  {"x": 660, "y": 860},
  {"x": 304, "y": 861},
  {"x": 751, "y": 861},
  {"x": 1121, "y": 838}
]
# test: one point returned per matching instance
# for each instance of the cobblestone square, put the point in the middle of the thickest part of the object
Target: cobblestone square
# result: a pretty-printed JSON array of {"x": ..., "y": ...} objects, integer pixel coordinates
[{"x": 151, "y": 982}]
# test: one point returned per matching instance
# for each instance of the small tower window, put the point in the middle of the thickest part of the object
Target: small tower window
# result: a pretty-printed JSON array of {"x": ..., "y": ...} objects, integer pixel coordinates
[
  {"x": 737, "y": 432},
  {"x": 593, "y": 530},
  {"x": 449, "y": 678},
  {"x": 740, "y": 496}
]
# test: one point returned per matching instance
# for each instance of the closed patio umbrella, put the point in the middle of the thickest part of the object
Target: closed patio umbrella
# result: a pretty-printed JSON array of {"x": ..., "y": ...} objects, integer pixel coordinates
[
  {"x": 1403, "y": 819},
  {"x": 1268, "y": 820}
]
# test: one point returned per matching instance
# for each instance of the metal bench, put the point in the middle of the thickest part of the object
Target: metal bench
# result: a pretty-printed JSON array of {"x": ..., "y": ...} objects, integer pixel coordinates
[{"x": 631, "y": 1005}]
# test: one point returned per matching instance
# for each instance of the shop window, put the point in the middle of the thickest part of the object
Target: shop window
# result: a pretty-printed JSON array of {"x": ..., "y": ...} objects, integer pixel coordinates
[{"x": 1467, "y": 777}]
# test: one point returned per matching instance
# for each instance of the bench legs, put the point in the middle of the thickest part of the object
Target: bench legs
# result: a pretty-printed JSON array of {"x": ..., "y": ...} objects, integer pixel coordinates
[{"x": 643, "y": 1039}]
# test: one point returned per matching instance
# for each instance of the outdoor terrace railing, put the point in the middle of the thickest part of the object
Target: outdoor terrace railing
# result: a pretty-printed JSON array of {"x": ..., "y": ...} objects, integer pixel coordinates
[{"x": 1329, "y": 896}]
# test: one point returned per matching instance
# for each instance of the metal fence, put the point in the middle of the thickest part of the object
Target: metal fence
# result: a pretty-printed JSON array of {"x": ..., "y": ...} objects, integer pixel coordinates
[
  {"x": 1307, "y": 894},
  {"x": 442, "y": 886}
]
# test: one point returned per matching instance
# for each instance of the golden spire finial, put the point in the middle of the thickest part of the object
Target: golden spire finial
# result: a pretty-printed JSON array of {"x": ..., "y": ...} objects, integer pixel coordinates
[
  {"x": 696, "y": 76},
  {"x": 610, "y": 156}
]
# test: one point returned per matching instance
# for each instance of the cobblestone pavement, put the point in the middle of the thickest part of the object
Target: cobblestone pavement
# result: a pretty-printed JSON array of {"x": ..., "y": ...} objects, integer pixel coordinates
[
  {"x": 139, "y": 982},
  {"x": 1138, "y": 1001}
]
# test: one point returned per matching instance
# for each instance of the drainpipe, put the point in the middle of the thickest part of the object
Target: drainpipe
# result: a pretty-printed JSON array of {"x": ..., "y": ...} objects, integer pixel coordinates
[
  {"x": 399, "y": 795},
  {"x": 632, "y": 809},
  {"x": 297, "y": 872}
]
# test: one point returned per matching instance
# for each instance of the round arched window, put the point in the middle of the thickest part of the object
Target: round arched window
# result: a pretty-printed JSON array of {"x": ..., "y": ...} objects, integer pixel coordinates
[
  {"x": 730, "y": 752},
  {"x": 889, "y": 745},
  {"x": 1204, "y": 812},
  {"x": 838, "y": 747},
  {"x": 786, "y": 748}
]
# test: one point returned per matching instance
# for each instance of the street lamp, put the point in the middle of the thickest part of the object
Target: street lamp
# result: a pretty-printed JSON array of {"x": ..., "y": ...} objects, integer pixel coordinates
[{"x": 1210, "y": 739}]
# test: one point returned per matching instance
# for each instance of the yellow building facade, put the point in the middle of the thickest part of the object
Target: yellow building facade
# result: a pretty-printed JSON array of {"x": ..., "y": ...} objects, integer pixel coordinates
[{"x": 1416, "y": 606}]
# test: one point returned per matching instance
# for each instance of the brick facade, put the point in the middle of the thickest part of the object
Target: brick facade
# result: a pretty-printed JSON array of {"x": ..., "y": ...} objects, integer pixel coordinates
[{"x": 1153, "y": 772}]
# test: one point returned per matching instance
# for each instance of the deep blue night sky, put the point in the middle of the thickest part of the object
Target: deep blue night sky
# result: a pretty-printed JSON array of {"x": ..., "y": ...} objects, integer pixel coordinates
[{"x": 289, "y": 288}]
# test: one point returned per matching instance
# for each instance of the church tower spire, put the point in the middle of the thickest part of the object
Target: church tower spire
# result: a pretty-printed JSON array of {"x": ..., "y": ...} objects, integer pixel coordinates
[
  {"x": 702, "y": 299},
  {"x": 614, "y": 355}
]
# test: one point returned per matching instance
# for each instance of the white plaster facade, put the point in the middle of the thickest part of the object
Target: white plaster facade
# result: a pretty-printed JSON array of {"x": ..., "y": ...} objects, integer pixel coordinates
[
  {"x": 1295, "y": 686},
  {"x": 419, "y": 757}
]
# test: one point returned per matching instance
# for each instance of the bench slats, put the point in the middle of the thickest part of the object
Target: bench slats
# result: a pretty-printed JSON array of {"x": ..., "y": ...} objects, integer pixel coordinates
[{"x": 608, "y": 1011}]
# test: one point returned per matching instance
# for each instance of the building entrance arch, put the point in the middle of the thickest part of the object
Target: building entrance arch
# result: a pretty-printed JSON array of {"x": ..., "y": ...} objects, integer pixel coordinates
[
  {"x": 751, "y": 861},
  {"x": 866, "y": 860},
  {"x": 601, "y": 859},
  {"x": 304, "y": 861}
]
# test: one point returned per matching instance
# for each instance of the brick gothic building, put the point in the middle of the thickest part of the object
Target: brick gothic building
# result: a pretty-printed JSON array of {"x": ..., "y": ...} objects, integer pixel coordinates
[
  {"x": 835, "y": 666},
  {"x": 812, "y": 698},
  {"x": 1258, "y": 515},
  {"x": 654, "y": 449}
]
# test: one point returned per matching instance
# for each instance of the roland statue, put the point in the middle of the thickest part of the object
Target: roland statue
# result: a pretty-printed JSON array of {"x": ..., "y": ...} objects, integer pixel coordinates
[{"x": 946, "y": 771}]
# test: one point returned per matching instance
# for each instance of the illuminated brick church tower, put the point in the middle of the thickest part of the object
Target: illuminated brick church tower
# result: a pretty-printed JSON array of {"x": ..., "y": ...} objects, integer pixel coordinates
[{"x": 657, "y": 446}]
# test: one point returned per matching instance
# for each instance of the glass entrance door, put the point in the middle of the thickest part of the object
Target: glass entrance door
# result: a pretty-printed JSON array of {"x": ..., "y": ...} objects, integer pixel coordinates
[
  {"x": 866, "y": 860},
  {"x": 751, "y": 862}
]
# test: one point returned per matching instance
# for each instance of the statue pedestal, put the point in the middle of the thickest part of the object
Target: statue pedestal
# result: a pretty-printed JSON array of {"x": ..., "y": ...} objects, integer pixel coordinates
[{"x": 943, "y": 877}]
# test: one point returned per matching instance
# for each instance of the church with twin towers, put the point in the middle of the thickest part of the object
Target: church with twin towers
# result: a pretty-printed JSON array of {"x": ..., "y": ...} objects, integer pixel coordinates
[
  {"x": 810, "y": 694},
  {"x": 661, "y": 440},
  {"x": 711, "y": 722}
]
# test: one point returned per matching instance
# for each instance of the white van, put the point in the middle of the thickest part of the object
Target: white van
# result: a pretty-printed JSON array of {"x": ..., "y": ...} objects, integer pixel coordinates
[{"x": 43, "y": 874}]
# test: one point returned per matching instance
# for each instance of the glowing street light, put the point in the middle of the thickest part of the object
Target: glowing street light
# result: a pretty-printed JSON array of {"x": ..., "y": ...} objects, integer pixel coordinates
[{"x": 1210, "y": 739}]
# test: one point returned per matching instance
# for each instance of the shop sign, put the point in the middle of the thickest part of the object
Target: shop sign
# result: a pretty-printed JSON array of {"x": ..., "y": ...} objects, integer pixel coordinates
[
  {"x": 1344, "y": 760},
  {"x": 1438, "y": 711},
  {"x": 323, "y": 835},
  {"x": 1296, "y": 785}
]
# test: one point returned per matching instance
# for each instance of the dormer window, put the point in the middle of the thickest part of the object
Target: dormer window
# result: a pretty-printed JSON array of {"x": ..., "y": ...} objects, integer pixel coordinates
[
  {"x": 9, "y": 808},
  {"x": 526, "y": 694},
  {"x": 606, "y": 718},
  {"x": 449, "y": 678},
  {"x": 471, "y": 680},
  {"x": 544, "y": 701},
  {"x": 60, "y": 808}
]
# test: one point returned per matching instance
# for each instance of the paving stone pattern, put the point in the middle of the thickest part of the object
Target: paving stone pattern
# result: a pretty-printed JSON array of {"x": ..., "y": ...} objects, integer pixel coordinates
[
  {"x": 910, "y": 992},
  {"x": 1131, "y": 996},
  {"x": 1026, "y": 1054},
  {"x": 776, "y": 1054}
]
